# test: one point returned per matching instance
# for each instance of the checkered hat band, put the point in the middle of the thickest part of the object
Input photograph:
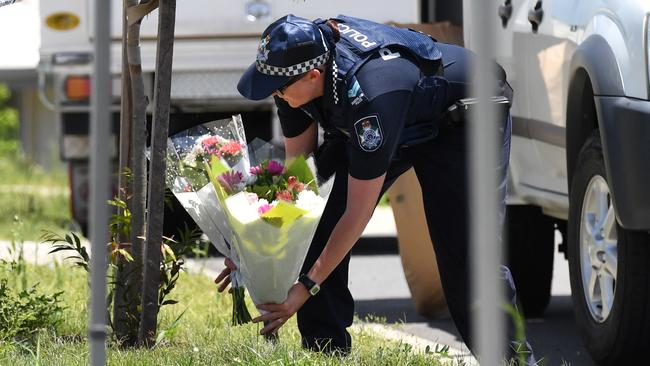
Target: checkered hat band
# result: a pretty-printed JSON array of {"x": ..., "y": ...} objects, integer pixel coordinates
[{"x": 293, "y": 70}]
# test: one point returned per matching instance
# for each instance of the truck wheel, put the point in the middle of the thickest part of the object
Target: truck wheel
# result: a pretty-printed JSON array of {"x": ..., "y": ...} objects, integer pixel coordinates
[
  {"x": 608, "y": 266},
  {"x": 531, "y": 237}
]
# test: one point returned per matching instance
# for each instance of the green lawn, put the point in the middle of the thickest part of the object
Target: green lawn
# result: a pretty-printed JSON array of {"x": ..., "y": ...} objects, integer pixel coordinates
[
  {"x": 38, "y": 198},
  {"x": 203, "y": 336}
]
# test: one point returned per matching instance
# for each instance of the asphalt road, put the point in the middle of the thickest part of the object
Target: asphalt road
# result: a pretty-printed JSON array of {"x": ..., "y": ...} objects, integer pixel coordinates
[{"x": 378, "y": 285}]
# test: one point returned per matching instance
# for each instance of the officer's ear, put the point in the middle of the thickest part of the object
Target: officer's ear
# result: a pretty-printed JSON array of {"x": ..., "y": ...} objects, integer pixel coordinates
[{"x": 314, "y": 74}]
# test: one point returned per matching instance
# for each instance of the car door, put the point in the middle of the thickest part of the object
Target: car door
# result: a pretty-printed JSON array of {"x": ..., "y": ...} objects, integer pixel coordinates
[
  {"x": 512, "y": 32},
  {"x": 553, "y": 38}
]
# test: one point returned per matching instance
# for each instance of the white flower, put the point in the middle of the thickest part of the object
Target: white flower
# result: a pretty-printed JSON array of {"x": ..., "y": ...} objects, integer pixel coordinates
[
  {"x": 308, "y": 200},
  {"x": 199, "y": 140},
  {"x": 190, "y": 159}
]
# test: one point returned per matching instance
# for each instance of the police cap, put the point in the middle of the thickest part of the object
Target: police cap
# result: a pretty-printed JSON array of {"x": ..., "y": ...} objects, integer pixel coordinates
[{"x": 290, "y": 46}]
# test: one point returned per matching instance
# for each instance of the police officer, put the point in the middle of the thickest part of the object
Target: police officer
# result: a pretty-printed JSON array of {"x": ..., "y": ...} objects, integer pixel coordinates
[{"x": 382, "y": 95}]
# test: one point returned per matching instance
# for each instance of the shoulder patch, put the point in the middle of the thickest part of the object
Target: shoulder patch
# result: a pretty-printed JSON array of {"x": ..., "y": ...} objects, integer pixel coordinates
[
  {"x": 369, "y": 133},
  {"x": 355, "y": 94}
]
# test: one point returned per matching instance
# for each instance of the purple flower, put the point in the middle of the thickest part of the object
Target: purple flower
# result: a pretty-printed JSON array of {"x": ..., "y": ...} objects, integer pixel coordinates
[
  {"x": 275, "y": 168},
  {"x": 229, "y": 180}
]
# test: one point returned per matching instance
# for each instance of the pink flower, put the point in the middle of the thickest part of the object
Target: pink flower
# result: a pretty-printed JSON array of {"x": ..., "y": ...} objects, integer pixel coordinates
[
  {"x": 264, "y": 208},
  {"x": 211, "y": 145},
  {"x": 256, "y": 170},
  {"x": 230, "y": 148},
  {"x": 284, "y": 196},
  {"x": 229, "y": 180},
  {"x": 293, "y": 184},
  {"x": 275, "y": 168}
]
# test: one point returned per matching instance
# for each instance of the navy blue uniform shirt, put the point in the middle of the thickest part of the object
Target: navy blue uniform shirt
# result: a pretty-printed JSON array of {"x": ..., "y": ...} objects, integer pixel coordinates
[{"x": 375, "y": 106}]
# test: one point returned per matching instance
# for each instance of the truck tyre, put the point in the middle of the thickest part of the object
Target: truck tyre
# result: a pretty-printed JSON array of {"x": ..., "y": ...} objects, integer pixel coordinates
[
  {"x": 531, "y": 238},
  {"x": 608, "y": 265}
]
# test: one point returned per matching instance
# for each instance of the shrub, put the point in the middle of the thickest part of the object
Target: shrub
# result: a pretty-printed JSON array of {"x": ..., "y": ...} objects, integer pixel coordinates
[{"x": 23, "y": 314}]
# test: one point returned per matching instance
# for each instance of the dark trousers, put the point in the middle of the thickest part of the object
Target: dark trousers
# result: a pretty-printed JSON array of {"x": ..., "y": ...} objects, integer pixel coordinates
[{"x": 441, "y": 167}]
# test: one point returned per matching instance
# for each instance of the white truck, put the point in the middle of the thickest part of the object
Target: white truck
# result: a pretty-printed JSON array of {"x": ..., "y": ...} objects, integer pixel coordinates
[
  {"x": 580, "y": 160},
  {"x": 215, "y": 41}
]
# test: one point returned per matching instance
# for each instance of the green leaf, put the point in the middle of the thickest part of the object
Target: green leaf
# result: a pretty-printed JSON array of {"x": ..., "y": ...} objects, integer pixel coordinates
[
  {"x": 169, "y": 332},
  {"x": 300, "y": 169},
  {"x": 125, "y": 253},
  {"x": 167, "y": 251},
  {"x": 59, "y": 248},
  {"x": 262, "y": 191},
  {"x": 217, "y": 167},
  {"x": 283, "y": 213}
]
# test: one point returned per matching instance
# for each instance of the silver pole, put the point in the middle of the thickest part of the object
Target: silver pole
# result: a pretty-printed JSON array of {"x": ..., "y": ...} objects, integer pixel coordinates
[
  {"x": 100, "y": 177},
  {"x": 488, "y": 327}
]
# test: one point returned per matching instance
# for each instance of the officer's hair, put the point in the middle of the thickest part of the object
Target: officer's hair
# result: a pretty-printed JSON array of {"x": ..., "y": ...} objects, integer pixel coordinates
[{"x": 335, "y": 29}]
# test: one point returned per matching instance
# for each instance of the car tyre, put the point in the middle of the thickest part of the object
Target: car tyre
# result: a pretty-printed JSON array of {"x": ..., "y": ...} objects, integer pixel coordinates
[
  {"x": 608, "y": 266},
  {"x": 531, "y": 238}
]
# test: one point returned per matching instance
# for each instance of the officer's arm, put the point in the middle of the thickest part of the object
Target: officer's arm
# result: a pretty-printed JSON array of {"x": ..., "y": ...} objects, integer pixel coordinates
[
  {"x": 303, "y": 144},
  {"x": 362, "y": 198}
]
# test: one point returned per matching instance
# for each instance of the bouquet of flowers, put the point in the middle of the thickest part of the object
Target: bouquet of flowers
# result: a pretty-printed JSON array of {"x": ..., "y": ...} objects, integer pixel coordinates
[
  {"x": 264, "y": 210},
  {"x": 273, "y": 214},
  {"x": 191, "y": 155}
]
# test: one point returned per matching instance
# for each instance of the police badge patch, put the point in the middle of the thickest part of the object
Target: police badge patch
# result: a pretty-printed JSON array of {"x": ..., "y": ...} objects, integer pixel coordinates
[
  {"x": 369, "y": 133},
  {"x": 263, "y": 49}
]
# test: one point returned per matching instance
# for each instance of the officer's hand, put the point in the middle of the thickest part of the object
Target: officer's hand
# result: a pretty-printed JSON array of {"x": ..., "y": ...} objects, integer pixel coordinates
[
  {"x": 223, "y": 279},
  {"x": 278, "y": 314}
]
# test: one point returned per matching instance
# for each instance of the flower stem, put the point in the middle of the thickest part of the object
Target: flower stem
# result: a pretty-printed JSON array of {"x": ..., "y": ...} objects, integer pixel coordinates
[{"x": 240, "y": 314}]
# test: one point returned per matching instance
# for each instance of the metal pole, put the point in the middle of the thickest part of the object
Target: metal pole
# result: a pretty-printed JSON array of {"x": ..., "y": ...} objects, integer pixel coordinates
[
  {"x": 488, "y": 325},
  {"x": 100, "y": 178}
]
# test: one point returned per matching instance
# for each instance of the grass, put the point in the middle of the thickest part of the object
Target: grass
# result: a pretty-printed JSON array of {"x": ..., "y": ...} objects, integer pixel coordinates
[
  {"x": 38, "y": 198},
  {"x": 203, "y": 336}
]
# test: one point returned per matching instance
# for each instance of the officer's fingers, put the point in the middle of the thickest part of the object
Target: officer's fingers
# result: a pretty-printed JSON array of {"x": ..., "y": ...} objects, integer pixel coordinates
[
  {"x": 230, "y": 264},
  {"x": 271, "y": 308},
  {"x": 273, "y": 326},
  {"x": 224, "y": 284},
  {"x": 271, "y": 316},
  {"x": 222, "y": 275}
]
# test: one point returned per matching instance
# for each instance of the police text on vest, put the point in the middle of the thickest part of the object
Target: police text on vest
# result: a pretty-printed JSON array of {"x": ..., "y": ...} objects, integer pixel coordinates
[{"x": 355, "y": 35}]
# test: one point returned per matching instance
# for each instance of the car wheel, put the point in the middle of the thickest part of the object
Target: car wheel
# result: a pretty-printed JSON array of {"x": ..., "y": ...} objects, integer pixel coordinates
[
  {"x": 531, "y": 243},
  {"x": 608, "y": 266}
]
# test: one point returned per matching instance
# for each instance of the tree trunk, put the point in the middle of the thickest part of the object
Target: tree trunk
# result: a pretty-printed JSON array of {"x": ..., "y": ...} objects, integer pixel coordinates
[
  {"x": 137, "y": 202},
  {"x": 160, "y": 129},
  {"x": 122, "y": 297}
]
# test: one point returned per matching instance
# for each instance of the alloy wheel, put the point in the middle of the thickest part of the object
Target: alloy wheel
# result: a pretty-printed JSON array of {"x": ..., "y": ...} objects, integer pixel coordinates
[{"x": 598, "y": 248}]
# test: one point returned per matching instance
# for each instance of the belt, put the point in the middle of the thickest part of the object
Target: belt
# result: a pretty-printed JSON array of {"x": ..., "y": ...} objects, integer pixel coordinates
[{"x": 454, "y": 117}]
